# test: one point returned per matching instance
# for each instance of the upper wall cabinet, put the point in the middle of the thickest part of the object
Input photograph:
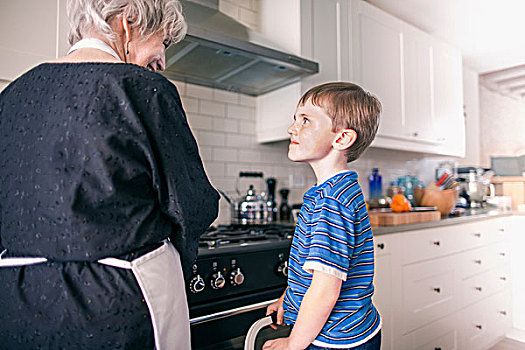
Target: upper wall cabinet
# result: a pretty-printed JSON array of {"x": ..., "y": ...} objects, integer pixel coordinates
[
  {"x": 417, "y": 78},
  {"x": 324, "y": 38}
]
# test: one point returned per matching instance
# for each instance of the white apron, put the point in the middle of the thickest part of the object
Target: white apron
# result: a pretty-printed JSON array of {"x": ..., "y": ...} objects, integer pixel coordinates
[{"x": 160, "y": 278}]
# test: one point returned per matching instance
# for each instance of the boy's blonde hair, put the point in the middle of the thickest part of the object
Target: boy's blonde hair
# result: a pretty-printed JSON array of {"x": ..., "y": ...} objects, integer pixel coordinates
[{"x": 350, "y": 107}]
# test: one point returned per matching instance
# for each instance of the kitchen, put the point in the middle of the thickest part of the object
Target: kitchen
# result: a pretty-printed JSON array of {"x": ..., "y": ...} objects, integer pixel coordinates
[{"x": 229, "y": 125}]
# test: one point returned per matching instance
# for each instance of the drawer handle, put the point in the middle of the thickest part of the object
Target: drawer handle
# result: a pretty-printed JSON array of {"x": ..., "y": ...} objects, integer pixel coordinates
[
  {"x": 437, "y": 290},
  {"x": 502, "y": 254},
  {"x": 437, "y": 348},
  {"x": 437, "y": 243},
  {"x": 503, "y": 312},
  {"x": 501, "y": 230},
  {"x": 478, "y": 261},
  {"x": 477, "y": 234},
  {"x": 478, "y": 326},
  {"x": 503, "y": 278},
  {"x": 479, "y": 289},
  {"x": 381, "y": 246}
]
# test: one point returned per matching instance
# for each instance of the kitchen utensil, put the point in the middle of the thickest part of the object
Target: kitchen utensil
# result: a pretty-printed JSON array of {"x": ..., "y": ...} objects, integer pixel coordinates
[
  {"x": 249, "y": 208},
  {"x": 271, "y": 204},
  {"x": 284, "y": 208}
]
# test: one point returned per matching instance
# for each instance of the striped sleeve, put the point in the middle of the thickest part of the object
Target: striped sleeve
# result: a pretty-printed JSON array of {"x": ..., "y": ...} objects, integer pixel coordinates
[{"x": 331, "y": 243}]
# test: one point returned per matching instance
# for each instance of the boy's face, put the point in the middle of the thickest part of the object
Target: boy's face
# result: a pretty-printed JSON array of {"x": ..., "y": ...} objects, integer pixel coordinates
[{"x": 311, "y": 134}]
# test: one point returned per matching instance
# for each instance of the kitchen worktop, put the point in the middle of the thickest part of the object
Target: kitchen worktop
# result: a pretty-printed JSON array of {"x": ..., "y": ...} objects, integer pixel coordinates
[{"x": 470, "y": 215}]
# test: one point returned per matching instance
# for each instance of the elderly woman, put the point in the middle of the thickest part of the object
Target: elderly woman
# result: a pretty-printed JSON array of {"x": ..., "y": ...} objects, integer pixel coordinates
[{"x": 103, "y": 194}]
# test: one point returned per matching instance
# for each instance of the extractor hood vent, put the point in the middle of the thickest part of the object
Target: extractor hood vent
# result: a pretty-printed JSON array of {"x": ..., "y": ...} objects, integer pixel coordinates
[{"x": 219, "y": 52}]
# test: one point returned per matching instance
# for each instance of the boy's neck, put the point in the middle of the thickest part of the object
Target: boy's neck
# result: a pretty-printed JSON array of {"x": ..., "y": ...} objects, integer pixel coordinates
[{"x": 327, "y": 167}]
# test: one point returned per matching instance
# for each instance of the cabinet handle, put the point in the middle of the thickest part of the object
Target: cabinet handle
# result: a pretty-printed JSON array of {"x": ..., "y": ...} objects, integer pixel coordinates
[
  {"x": 478, "y": 261},
  {"x": 437, "y": 243},
  {"x": 477, "y": 234},
  {"x": 502, "y": 254},
  {"x": 501, "y": 230},
  {"x": 478, "y": 326},
  {"x": 437, "y": 348},
  {"x": 479, "y": 289},
  {"x": 415, "y": 134},
  {"x": 503, "y": 278},
  {"x": 381, "y": 246},
  {"x": 437, "y": 290},
  {"x": 503, "y": 312}
]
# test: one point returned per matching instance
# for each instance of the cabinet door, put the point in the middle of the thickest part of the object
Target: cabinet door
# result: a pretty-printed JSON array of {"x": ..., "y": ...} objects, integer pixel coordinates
[
  {"x": 418, "y": 86},
  {"x": 383, "y": 287},
  {"x": 429, "y": 292},
  {"x": 448, "y": 99},
  {"x": 325, "y": 39},
  {"x": 378, "y": 63},
  {"x": 29, "y": 31}
]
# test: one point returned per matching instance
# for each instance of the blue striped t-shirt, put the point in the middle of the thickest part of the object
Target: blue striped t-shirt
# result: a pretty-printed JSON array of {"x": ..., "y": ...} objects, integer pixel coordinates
[{"x": 333, "y": 235}]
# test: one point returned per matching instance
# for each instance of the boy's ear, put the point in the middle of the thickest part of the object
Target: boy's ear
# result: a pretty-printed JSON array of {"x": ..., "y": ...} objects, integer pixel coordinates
[{"x": 344, "y": 139}]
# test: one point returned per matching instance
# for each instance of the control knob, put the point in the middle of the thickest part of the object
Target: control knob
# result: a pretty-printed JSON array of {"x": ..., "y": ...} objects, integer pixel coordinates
[
  {"x": 282, "y": 269},
  {"x": 197, "y": 284},
  {"x": 236, "y": 277},
  {"x": 217, "y": 280}
]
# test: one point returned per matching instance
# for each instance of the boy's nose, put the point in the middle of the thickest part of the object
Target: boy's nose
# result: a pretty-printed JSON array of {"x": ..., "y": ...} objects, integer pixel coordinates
[{"x": 291, "y": 129}]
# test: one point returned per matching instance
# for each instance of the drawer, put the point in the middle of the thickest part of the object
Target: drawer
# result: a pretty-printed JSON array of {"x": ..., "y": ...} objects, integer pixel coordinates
[
  {"x": 426, "y": 244},
  {"x": 442, "y": 334},
  {"x": 486, "y": 321},
  {"x": 475, "y": 261},
  {"x": 429, "y": 292},
  {"x": 482, "y": 285},
  {"x": 500, "y": 253}
]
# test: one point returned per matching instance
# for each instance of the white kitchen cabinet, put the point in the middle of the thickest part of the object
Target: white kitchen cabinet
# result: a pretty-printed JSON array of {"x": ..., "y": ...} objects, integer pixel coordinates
[
  {"x": 450, "y": 285},
  {"x": 417, "y": 78},
  {"x": 378, "y": 63},
  {"x": 324, "y": 38},
  {"x": 383, "y": 287},
  {"x": 448, "y": 99}
]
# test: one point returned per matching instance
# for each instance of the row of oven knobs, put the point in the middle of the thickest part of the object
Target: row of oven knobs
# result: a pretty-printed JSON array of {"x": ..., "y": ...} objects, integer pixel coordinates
[{"x": 217, "y": 281}]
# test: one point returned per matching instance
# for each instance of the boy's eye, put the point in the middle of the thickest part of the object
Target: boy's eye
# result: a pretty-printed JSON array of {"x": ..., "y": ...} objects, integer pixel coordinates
[
  {"x": 306, "y": 121},
  {"x": 166, "y": 43}
]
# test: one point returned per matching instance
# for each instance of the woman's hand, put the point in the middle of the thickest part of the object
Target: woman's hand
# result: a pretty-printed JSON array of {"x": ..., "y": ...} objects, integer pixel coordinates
[
  {"x": 276, "y": 344},
  {"x": 277, "y": 307}
]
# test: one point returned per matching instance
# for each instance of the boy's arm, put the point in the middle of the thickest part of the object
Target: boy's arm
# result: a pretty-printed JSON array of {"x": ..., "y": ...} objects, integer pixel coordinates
[{"x": 316, "y": 306}]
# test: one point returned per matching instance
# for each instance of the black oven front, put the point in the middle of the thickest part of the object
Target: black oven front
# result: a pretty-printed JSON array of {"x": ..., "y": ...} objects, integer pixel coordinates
[{"x": 230, "y": 288}]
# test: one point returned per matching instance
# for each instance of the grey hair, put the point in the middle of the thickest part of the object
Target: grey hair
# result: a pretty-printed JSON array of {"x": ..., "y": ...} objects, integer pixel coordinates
[{"x": 148, "y": 16}]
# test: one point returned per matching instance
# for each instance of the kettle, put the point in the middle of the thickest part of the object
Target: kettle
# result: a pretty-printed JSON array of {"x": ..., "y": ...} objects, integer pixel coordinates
[{"x": 251, "y": 208}]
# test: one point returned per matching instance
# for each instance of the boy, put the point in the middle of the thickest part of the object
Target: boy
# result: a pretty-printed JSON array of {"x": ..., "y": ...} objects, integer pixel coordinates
[{"x": 331, "y": 267}]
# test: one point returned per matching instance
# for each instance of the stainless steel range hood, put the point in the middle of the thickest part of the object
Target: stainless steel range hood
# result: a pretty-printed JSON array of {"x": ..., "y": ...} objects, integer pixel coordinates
[{"x": 220, "y": 52}]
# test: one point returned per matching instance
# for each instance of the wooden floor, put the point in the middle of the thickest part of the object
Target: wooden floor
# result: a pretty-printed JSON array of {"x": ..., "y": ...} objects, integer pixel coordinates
[{"x": 508, "y": 344}]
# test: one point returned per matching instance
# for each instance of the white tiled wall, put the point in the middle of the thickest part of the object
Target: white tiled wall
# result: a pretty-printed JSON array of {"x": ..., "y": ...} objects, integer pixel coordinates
[{"x": 224, "y": 126}]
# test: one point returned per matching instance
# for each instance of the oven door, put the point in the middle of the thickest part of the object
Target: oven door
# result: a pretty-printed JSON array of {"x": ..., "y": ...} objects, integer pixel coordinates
[{"x": 228, "y": 329}]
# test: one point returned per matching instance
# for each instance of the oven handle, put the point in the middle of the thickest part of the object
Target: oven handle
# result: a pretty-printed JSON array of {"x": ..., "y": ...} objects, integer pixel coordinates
[{"x": 228, "y": 313}]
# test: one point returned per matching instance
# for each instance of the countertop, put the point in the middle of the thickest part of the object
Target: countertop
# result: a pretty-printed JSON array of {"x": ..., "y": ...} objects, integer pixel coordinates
[{"x": 469, "y": 216}]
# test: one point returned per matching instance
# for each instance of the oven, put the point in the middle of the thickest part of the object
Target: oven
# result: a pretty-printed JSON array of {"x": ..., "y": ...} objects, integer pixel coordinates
[{"x": 239, "y": 271}]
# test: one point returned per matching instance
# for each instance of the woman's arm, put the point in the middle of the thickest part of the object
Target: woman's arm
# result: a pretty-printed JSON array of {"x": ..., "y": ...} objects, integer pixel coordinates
[{"x": 316, "y": 306}]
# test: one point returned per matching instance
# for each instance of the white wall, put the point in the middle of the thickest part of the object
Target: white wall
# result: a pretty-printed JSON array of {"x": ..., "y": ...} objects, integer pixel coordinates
[{"x": 502, "y": 125}]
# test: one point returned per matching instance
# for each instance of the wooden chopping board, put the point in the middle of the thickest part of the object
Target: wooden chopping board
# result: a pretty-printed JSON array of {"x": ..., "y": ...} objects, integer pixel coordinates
[{"x": 381, "y": 218}]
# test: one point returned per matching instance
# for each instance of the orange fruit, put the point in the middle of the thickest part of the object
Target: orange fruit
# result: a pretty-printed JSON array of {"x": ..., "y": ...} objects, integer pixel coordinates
[{"x": 400, "y": 204}]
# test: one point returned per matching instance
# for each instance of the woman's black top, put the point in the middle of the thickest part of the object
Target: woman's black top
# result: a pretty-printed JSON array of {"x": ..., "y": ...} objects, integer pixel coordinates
[{"x": 97, "y": 160}]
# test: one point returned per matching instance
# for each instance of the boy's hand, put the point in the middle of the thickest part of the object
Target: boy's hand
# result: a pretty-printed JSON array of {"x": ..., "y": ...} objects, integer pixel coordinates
[
  {"x": 277, "y": 307},
  {"x": 276, "y": 344}
]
